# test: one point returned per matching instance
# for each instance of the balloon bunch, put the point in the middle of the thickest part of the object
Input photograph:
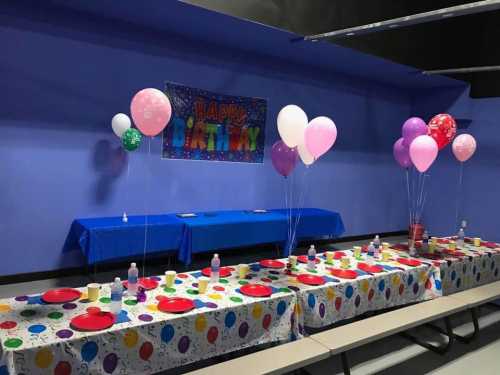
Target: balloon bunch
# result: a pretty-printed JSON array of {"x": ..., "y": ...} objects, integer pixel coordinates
[
  {"x": 151, "y": 112},
  {"x": 300, "y": 138},
  {"x": 419, "y": 147}
]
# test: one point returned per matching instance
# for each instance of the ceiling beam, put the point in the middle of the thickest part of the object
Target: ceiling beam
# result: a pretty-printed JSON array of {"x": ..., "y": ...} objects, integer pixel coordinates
[
  {"x": 472, "y": 69},
  {"x": 434, "y": 15}
]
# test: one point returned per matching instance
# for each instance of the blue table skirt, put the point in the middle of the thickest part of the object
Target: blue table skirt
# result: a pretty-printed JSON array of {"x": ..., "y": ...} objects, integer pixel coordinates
[
  {"x": 225, "y": 229},
  {"x": 102, "y": 239}
]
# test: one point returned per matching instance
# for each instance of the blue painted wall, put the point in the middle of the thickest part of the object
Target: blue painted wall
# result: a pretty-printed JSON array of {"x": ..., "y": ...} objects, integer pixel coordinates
[
  {"x": 479, "y": 203},
  {"x": 63, "y": 80}
]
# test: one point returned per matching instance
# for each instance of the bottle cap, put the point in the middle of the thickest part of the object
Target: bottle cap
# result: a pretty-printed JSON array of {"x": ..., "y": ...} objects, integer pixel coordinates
[
  {"x": 133, "y": 265},
  {"x": 377, "y": 237},
  {"x": 216, "y": 255},
  {"x": 312, "y": 247},
  {"x": 117, "y": 280}
]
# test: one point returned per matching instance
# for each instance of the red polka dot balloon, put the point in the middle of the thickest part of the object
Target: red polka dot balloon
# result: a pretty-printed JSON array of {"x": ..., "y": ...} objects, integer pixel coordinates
[{"x": 442, "y": 128}]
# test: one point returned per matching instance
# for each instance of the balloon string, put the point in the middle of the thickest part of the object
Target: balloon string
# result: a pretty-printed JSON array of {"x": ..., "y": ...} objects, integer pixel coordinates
[
  {"x": 408, "y": 193},
  {"x": 291, "y": 211},
  {"x": 286, "y": 209},
  {"x": 459, "y": 193},
  {"x": 127, "y": 182},
  {"x": 300, "y": 204},
  {"x": 148, "y": 173}
]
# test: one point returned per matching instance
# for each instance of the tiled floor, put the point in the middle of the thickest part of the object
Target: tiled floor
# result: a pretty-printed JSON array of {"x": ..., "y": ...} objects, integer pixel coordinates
[{"x": 391, "y": 356}]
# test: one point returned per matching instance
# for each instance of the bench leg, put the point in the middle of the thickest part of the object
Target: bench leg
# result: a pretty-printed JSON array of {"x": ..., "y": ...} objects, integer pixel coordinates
[
  {"x": 465, "y": 339},
  {"x": 440, "y": 349},
  {"x": 345, "y": 363}
]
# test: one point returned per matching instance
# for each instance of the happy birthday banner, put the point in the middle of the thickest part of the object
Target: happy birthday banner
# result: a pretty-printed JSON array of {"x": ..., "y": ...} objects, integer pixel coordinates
[{"x": 210, "y": 126}]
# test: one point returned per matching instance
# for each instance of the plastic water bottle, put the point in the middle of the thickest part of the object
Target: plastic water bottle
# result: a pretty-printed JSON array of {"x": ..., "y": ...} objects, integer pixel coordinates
[
  {"x": 133, "y": 275},
  {"x": 376, "y": 242},
  {"x": 116, "y": 296},
  {"x": 214, "y": 269},
  {"x": 371, "y": 252},
  {"x": 311, "y": 258},
  {"x": 425, "y": 242}
]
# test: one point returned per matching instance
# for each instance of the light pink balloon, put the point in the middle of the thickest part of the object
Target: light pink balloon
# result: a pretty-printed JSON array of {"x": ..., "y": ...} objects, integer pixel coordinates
[
  {"x": 464, "y": 146},
  {"x": 423, "y": 152},
  {"x": 320, "y": 135},
  {"x": 151, "y": 111}
]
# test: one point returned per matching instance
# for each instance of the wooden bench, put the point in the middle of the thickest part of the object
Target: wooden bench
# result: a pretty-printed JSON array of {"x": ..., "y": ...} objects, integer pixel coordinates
[
  {"x": 276, "y": 360},
  {"x": 298, "y": 354}
]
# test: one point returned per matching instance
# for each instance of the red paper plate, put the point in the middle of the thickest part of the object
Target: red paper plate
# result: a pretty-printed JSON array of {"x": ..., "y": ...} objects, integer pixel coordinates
[
  {"x": 176, "y": 305},
  {"x": 223, "y": 271},
  {"x": 338, "y": 255},
  {"x": 269, "y": 263},
  {"x": 310, "y": 279},
  {"x": 409, "y": 262},
  {"x": 344, "y": 274},
  {"x": 491, "y": 245},
  {"x": 63, "y": 295},
  {"x": 146, "y": 283},
  {"x": 455, "y": 253},
  {"x": 370, "y": 268},
  {"x": 256, "y": 290},
  {"x": 93, "y": 320},
  {"x": 303, "y": 259},
  {"x": 443, "y": 240},
  {"x": 432, "y": 256}
]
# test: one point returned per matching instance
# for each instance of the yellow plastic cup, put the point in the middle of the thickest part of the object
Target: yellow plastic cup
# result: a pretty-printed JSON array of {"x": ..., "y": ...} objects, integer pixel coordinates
[
  {"x": 243, "y": 270},
  {"x": 452, "y": 245},
  {"x": 292, "y": 259},
  {"x": 203, "y": 285},
  {"x": 477, "y": 241},
  {"x": 170, "y": 278},
  {"x": 345, "y": 262},
  {"x": 432, "y": 248},
  {"x": 93, "y": 291},
  {"x": 357, "y": 251},
  {"x": 329, "y": 256},
  {"x": 385, "y": 245},
  {"x": 386, "y": 256},
  {"x": 434, "y": 241}
]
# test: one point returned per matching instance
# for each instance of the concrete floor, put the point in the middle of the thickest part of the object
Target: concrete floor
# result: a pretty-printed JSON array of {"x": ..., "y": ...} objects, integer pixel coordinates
[{"x": 391, "y": 356}]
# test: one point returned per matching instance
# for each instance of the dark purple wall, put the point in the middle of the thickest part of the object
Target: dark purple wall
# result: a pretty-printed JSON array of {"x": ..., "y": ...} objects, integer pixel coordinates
[{"x": 62, "y": 82}]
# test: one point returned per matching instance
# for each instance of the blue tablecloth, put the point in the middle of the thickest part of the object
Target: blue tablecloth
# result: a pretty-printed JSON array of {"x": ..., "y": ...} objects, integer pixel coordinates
[
  {"x": 107, "y": 238},
  {"x": 226, "y": 229},
  {"x": 102, "y": 239}
]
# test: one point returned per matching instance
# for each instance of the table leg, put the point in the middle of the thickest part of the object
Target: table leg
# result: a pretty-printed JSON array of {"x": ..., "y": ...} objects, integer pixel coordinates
[
  {"x": 467, "y": 338},
  {"x": 345, "y": 363},
  {"x": 439, "y": 349}
]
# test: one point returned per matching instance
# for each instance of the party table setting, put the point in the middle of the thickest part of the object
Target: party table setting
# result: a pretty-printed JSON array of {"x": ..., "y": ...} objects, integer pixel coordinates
[
  {"x": 181, "y": 319},
  {"x": 474, "y": 263}
]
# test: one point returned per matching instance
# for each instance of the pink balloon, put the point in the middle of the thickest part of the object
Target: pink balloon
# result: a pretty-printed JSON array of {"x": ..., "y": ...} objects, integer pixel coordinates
[
  {"x": 320, "y": 135},
  {"x": 464, "y": 146},
  {"x": 423, "y": 152},
  {"x": 151, "y": 111}
]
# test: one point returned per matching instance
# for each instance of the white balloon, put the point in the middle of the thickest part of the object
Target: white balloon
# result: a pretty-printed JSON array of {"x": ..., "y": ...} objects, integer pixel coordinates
[
  {"x": 292, "y": 122},
  {"x": 304, "y": 154},
  {"x": 120, "y": 123}
]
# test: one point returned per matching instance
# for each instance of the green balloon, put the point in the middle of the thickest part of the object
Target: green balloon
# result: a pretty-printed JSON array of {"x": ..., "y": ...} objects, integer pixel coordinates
[{"x": 131, "y": 139}]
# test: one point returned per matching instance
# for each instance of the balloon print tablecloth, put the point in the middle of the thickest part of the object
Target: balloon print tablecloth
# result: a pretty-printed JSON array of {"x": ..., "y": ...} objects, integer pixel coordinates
[
  {"x": 467, "y": 267},
  {"x": 37, "y": 338},
  {"x": 340, "y": 299}
]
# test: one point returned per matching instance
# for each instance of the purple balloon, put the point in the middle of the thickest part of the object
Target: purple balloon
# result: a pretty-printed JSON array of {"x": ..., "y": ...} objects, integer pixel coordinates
[
  {"x": 412, "y": 128},
  {"x": 401, "y": 153},
  {"x": 284, "y": 158}
]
